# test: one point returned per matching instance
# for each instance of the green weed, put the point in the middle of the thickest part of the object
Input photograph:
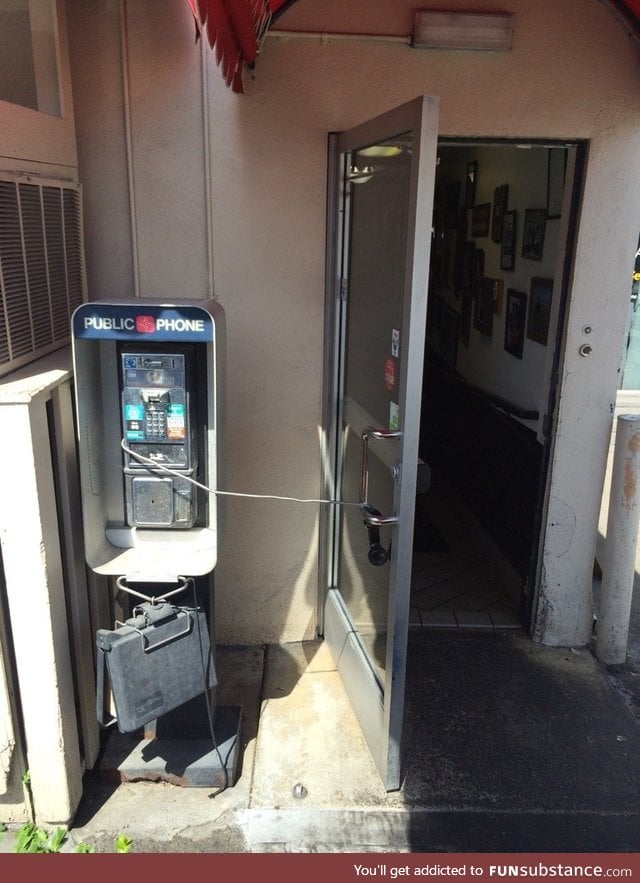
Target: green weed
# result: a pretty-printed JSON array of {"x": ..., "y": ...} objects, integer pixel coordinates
[{"x": 31, "y": 838}]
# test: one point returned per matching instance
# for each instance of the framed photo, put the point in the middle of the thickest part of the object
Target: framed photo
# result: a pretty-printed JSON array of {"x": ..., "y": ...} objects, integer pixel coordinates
[
  {"x": 483, "y": 313},
  {"x": 470, "y": 185},
  {"x": 498, "y": 296},
  {"x": 556, "y": 168},
  {"x": 466, "y": 312},
  {"x": 500, "y": 200},
  {"x": 508, "y": 250},
  {"x": 481, "y": 219},
  {"x": 540, "y": 297},
  {"x": 448, "y": 340},
  {"x": 515, "y": 322},
  {"x": 535, "y": 221}
]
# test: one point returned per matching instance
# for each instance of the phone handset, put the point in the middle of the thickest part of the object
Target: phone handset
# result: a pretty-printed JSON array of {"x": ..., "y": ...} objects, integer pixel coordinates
[{"x": 157, "y": 424}]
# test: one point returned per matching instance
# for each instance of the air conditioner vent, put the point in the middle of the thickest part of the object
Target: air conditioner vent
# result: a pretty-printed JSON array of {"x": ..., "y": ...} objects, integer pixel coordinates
[{"x": 42, "y": 273}]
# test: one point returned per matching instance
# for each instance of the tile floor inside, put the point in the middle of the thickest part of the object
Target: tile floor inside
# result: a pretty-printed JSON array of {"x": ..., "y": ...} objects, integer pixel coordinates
[{"x": 453, "y": 585}]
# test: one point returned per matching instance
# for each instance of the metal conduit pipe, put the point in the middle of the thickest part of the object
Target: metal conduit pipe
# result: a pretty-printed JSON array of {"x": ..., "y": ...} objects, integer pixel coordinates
[
  {"x": 618, "y": 571},
  {"x": 323, "y": 36}
]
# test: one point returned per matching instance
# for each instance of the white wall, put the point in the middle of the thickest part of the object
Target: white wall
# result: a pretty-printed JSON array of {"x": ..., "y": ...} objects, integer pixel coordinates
[{"x": 572, "y": 73}]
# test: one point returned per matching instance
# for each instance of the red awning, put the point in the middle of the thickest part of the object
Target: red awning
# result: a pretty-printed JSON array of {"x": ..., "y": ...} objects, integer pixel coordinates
[
  {"x": 235, "y": 28},
  {"x": 629, "y": 12}
]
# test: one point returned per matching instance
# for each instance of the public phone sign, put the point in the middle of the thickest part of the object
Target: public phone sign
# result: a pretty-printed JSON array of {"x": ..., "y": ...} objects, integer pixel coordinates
[{"x": 143, "y": 321}]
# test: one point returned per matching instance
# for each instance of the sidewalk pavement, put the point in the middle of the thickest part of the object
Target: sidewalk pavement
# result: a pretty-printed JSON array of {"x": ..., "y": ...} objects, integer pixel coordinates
[{"x": 508, "y": 746}]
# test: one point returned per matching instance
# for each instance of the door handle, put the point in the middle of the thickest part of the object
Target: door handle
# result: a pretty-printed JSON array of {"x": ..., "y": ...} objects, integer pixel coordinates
[
  {"x": 371, "y": 516},
  {"x": 378, "y": 555}
]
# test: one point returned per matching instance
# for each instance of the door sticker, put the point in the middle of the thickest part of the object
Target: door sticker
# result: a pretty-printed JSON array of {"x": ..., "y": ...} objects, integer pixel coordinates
[
  {"x": 390, "y": 373},
  {"x": 394, "y": 419},
  {"x": 395, "y": 343}
]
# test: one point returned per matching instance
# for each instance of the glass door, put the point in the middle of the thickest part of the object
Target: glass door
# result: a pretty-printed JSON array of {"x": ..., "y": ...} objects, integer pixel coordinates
[{"x": 379, "y": 248}]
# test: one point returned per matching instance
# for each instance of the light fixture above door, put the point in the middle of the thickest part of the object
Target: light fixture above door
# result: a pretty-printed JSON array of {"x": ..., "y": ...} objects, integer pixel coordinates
[
  {"x": 381, "y": 150},
  {"x": 360, "y": 174},
  {"x": 462, "y": 30}
]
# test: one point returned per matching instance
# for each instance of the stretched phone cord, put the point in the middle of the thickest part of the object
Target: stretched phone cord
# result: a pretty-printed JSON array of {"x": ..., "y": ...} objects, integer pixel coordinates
[
  {"x": 207, "y": 698},
  {"x": 160, "y": 468}
]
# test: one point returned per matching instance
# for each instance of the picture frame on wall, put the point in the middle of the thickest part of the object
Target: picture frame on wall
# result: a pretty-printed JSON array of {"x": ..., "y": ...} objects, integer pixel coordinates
[
  {"x": 556, "y": 171},
  {"x": 483, "y": 312},
  {"x": 498, "y": 296},
  {"x": 470, "y": 184},
  {"x": 535, "y": 222},
  {"x": 481, "y": 219},
  {"x": 508, "y": 248},
  {"x": 540, "y": 298},
  {"x": 514, "y": 326},
  {"x": 500, "y": 200}
]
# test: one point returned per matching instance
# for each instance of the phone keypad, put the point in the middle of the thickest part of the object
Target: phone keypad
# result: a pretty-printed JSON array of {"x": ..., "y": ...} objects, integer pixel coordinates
[{"x": 156, "y": 423}]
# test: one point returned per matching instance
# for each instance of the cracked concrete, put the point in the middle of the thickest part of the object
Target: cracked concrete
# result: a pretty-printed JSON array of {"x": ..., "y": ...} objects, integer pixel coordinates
[{"x": 508, "y": 746}]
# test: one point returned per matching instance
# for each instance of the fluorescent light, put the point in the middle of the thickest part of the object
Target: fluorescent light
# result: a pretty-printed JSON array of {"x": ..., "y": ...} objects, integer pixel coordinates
[
  {"x": 462, "y": 30},
  {"x": 360, "y": 176},
  {"x": 377, "y": 150}
]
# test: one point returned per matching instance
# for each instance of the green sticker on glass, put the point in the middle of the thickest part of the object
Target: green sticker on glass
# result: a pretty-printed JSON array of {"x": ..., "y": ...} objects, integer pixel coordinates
[{"x": 393, "y": 415}]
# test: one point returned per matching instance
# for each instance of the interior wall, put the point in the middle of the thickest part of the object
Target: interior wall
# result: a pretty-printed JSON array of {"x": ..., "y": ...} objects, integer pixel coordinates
[
  {"x": 572, "y": 73},
  {"x": 482, "y": 358}
]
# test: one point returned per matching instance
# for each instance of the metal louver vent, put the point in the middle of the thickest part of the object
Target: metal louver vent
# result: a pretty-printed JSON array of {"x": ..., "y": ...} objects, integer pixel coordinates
[{"x": 42, "y": 274}]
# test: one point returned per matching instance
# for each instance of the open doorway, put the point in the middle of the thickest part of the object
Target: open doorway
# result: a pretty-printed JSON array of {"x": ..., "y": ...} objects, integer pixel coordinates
[
  {"x": 456, "y": 388},
  {"x": 492, "y": 336}
]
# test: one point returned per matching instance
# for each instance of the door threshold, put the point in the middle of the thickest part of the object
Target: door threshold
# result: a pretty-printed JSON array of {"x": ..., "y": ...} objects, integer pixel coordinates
[{"x": 464, "y": 619}]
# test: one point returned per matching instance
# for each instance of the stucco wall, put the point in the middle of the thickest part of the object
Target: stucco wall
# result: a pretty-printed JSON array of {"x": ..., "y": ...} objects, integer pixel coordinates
[{"x": 150, "y": 128}]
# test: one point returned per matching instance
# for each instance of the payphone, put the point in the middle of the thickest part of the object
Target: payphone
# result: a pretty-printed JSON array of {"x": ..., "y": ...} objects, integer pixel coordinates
[
  {"x": 149, "y": 403},
  {"x": 157, "y": 400},
  {"x": 149, "y": 412}
]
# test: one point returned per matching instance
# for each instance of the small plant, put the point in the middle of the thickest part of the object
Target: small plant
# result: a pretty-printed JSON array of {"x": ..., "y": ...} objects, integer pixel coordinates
[
  {"x": 124, "y": 843},
  {"x": 26, "y": 781},
  {"x": 31, "y": 838}
]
